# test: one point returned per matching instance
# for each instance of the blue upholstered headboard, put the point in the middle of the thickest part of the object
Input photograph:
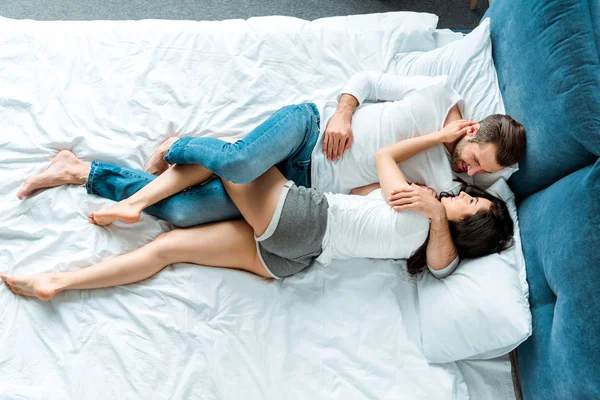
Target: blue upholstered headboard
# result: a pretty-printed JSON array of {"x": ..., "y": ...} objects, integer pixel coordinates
[{"x": 547, "y": 56}]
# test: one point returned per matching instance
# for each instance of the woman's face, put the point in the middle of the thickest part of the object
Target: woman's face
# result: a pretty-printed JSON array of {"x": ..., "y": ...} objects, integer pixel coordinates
[{"x": 464, "y": 205}]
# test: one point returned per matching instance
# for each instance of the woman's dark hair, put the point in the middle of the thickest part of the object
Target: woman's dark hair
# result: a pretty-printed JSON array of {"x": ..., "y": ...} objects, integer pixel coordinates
[{"x": 478, "y": 235}]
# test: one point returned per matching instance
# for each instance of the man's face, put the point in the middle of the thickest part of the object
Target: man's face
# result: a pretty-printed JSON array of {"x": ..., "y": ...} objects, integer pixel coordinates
[{"x": 474, "y": 158}]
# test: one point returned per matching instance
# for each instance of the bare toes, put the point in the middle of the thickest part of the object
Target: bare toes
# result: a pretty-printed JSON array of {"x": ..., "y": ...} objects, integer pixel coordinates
[
  {"x": 12, "y": 289},
  {"x": 64, "y": 169},
  {"x": 25, "y": 189}
]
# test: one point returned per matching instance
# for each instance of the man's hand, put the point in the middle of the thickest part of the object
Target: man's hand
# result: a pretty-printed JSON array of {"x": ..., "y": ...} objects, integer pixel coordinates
[
  {"x": 419, "y": 198},
  {"x": 456, "y": 129},
  {"x": 338, "y": 136}
]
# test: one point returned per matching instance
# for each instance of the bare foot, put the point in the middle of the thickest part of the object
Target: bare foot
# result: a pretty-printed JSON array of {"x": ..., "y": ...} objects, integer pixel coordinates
[
  {"x": 122, "y": 211},
  {"x": 43, "y": 286},
  {"x": 65, "y": 169},
  {"x": 156, "y": 164}
]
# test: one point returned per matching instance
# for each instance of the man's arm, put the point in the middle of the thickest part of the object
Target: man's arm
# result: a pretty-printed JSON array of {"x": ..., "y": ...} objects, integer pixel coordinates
[
  {"x": 377, "y": 86},
  {"x": 338, "y": 133},
  {"x": 441, "y": 251},
  {"x": 366, "y": 86}
]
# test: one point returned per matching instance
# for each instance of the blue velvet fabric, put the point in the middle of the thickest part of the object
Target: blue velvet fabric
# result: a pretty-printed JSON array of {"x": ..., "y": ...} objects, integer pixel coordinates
[
  {"x": 546, "y": 53},
  {"x": 547, "y": 58},
  {"x": 560, "y": 231}
]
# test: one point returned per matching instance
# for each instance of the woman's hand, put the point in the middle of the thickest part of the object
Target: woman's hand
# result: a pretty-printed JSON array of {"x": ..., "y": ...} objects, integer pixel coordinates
[
  {"x": 456, "y": 129},
  {"x": 338, "y": 136},
  {"x": 418, "y": 198}
]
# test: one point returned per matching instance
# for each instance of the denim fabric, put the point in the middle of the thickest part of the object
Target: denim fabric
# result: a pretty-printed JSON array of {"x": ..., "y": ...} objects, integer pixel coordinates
[
  {"x": 286, "y": 140},
  {"x": 546, "y": 56},
  {"x": 198, "y": 205},
  {"x": 560, "y": 232}
]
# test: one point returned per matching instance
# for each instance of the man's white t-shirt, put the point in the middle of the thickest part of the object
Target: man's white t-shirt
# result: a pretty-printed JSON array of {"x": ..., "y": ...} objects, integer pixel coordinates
[
  {"x": 367, "y": 227},
  {"x": 414, "y": 106}
]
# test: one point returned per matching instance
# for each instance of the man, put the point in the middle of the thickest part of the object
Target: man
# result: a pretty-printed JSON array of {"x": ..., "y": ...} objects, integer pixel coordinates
[
  {"x": 289, "y": 139},
  {"x": 499, "y": 147}
]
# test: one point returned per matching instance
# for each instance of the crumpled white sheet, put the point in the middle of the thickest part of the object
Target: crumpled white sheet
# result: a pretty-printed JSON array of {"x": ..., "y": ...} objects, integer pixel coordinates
[{"x": 111, "y": 92}]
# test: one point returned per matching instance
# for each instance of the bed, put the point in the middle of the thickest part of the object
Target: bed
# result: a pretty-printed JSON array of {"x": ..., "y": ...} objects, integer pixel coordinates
[{"x": 112, "y": 91}]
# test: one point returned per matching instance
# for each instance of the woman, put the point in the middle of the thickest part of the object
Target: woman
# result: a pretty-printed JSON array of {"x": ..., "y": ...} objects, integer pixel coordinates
[{"x": 286, "y": 228}]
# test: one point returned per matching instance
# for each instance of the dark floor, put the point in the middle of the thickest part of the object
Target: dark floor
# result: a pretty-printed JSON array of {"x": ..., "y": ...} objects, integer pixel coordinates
[{"x": 454, "y": 14}]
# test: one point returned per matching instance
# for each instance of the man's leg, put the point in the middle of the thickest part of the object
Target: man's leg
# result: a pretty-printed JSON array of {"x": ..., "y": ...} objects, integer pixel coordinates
[
  {"x": 287, "y": 137},
  {"x": 292, "y": 131},
  {"x": 65, "y": 169},
  {"x": 156, "y": 164},
  {"x": 197, "y": 205},
  {"x": 286, "y": 140}
]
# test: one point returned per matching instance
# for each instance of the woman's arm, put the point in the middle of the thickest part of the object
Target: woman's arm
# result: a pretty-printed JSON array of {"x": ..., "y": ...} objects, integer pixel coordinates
[
  {"x": 390, "y": 176},
  {"x": 387, "y": 158}
]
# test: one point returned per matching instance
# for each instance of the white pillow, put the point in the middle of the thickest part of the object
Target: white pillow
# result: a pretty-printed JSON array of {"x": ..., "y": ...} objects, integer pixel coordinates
[
  {"x": 375, "y": 41},
  {"x": 481, "y": 311},
  {"x": 487, "y": 180},
  {"x": 470, "y": 67}
]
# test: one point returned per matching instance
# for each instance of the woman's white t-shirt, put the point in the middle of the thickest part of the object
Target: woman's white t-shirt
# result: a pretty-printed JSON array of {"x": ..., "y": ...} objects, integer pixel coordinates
[{"x": 367, "y": 227}]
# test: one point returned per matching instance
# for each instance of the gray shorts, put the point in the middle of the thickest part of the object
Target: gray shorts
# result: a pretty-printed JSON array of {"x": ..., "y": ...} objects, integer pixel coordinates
[{"x": 295, "y": 234}]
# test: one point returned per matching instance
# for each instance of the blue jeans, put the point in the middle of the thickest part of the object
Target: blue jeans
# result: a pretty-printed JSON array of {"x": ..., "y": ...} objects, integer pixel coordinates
[{"x": 285, "y": 140}]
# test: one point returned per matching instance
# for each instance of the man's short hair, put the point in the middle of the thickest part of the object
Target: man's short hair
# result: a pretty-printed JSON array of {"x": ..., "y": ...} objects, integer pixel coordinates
[{"x": 504, "y": 132}]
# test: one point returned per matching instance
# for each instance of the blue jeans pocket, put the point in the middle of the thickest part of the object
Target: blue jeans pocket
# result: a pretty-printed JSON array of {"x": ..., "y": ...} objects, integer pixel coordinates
[
  {"x": 301, "y": 165},
  {"x": 298, "y": 171}
]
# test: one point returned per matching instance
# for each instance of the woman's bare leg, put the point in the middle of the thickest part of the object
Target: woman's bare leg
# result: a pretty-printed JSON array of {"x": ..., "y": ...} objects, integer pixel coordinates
[
  {"x": 257, "y": 200},
  {"x": 224, "y": 244},
  {"x": 173, "y": 180}
]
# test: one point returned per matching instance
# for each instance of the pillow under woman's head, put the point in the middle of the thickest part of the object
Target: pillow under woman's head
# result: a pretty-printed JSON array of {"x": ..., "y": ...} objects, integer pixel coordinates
[{"x": 482, "y": 310}]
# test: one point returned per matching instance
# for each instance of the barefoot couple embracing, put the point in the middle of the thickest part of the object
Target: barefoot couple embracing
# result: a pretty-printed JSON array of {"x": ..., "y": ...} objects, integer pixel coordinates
[{"x": 311, "y": 183}]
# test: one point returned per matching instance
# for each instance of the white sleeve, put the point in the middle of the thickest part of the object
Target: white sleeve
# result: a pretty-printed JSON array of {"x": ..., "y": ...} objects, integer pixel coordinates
[
  {"x": 446, "y": 271},
  {"x": 377, "y": 86}
]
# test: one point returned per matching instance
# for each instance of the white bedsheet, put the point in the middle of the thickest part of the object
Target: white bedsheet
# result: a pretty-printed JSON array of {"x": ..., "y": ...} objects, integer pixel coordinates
[{"x": 111, "y": 91}]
